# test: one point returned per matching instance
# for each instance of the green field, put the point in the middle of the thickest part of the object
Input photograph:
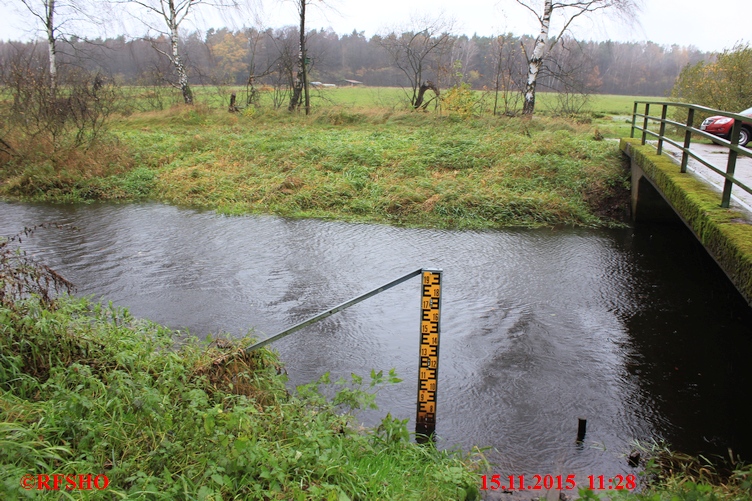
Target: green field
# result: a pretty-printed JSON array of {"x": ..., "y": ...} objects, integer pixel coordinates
[
  {"x": 611, "y": 114},
  {"x": 361, "y": 155},
  {"x": 369, "y": 98},
  {"x": 405, "y": 168}
]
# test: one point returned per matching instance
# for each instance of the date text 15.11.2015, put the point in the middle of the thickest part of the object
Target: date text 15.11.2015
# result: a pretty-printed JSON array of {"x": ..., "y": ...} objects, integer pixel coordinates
[{"x": 559, "y": 482}]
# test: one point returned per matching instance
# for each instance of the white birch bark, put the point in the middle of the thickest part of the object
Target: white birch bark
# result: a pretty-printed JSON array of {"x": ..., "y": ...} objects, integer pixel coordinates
[
  {"x": 536, "y": 60},
  {"x": 569, "y": 10},
  {"x": 51, "y": 47},
  {"x": 176, "y": 60},
  {"x": 172, "y": 12},
  {"x": 300, "y": 89},
  {"x": 45, "y": 12}
]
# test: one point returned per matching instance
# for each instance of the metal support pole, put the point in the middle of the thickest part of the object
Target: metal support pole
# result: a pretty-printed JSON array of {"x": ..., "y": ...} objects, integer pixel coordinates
[
  {"x": 687, "y": 139},
  {"x": 731, "y": 165},
  {"x": 332, "y": 311},
  {"x": 634, "y": 120},
  {"x": 581, "y": 429},
  {"x": 430, "y": 329},
  {"x": 662, "y": 131},
  {"x": 645, "y": 123}
]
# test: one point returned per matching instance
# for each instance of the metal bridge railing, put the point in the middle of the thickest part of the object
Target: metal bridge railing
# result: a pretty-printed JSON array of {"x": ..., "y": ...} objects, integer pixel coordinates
[{"x": 689, "y": 130}]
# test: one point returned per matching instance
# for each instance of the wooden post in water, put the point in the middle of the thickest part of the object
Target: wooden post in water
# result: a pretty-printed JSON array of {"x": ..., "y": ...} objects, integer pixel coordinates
[
  {"x": 581, "y": 428},
  {"x": 428, "y": 368}
]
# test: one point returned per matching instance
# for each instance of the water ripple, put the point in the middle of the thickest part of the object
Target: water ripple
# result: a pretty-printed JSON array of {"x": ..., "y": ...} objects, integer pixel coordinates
[{"x": 539, "y": 327}]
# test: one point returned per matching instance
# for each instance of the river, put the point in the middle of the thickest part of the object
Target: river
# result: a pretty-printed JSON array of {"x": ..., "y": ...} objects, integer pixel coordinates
[{"x": 634, "y": 329}]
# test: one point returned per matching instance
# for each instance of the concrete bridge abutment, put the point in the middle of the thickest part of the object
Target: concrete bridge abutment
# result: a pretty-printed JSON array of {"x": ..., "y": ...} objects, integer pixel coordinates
[
  {"x": 648, "y": 205},
  {"x": 661, "y": 193}
]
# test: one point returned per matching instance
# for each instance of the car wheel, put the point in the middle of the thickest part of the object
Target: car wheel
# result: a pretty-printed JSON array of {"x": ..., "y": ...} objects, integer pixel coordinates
[{"x": 743, "y": 136}]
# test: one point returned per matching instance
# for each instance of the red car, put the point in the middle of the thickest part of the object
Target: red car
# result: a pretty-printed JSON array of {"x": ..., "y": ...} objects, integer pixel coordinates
[{"x": 721, "y": 126}]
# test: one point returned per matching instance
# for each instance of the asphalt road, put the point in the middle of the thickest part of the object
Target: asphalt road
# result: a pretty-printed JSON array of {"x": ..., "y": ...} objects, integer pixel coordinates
[{"x": 717, "y": 155}]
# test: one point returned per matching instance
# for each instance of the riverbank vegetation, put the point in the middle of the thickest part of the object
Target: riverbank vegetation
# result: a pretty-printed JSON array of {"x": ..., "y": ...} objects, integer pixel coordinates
[
  {"x": 85, "y": 388},
  {"x": 670, "y": 475},
  {"x": 453, "y": 170}
]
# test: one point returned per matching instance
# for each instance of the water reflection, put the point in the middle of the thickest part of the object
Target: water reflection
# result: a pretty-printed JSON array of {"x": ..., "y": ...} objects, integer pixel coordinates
[{"x": 633, "y": 329}]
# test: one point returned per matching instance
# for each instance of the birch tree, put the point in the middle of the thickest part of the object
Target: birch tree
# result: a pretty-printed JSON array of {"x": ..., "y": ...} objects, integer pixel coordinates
[
  {"x": 165, "y": 17},
  {"x": 300, "y": 89},
  {"x": 53, "y": 15},
  {"x": 300, "y": 84},
  {"x": 546, "y": 11}
]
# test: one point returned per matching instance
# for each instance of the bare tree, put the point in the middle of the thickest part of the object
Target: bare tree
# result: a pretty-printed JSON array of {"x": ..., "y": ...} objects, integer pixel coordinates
[
  {"x": 300, "y": 90},
  {"x": 300, "y": 86},
  {"x": 568, "y": 11},
  {"x": 286, "y": 42},
  {"x": 39, "y": 126},
  {"x": 417, "y": 54},
  {"x": 258, "y": 67},
  {"x": 508, "y": 75},
  {"x": 572, "y": 72},
  {"x": 170, "y": 14},
  {"x": 54, "y": 14},
  {"x": 463, "y": 53}
]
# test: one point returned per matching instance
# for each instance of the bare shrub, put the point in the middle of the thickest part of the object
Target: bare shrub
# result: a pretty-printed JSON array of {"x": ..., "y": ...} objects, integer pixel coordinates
[
  {"x": 22, "y": 276},
  {"x": 40, "y": 117}
]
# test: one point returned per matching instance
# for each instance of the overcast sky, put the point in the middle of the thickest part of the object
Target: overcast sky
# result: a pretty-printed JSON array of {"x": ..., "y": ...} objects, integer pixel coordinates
[{"x": 705, "y": 24}]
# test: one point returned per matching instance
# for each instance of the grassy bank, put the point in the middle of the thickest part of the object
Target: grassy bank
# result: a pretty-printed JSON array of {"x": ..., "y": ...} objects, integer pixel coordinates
[
  {"x": 87, "y": 389},
  {"x": 378, "y": 166}
]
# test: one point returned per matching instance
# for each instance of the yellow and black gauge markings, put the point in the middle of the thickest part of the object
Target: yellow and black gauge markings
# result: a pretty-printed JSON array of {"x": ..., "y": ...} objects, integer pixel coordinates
[{"x": 428, "y": 372}]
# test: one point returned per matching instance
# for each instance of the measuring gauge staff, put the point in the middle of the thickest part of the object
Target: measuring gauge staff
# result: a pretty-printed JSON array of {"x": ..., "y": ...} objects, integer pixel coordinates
[{"x": 428, "y": 368}]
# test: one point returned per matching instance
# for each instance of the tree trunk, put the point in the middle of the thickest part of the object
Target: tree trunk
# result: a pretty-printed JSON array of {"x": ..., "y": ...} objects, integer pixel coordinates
[
  {"x": 300, "y": 90},
  {"x": 296, "y": 92},
  {"x": 536, "y": 60},
  {"x": 423, "y": 88},
  {"x": 51, "y": 45},
  {"x": 304, "y": 57},
  {"x": 178, "y": 62},
  {"x": 233, "y": 108}
]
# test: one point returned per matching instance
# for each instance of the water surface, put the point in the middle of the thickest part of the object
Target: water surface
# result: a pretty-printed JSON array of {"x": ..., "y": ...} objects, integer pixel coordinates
[{"x": 634, "y": 329}]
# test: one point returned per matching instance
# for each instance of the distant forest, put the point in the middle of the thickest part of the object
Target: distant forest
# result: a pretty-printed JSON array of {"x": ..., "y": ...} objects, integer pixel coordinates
[{"x": 267, "y": 57}]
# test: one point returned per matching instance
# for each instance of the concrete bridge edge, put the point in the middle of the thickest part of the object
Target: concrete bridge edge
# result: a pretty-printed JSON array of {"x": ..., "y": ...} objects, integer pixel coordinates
[{"x": 725, "y": 233}]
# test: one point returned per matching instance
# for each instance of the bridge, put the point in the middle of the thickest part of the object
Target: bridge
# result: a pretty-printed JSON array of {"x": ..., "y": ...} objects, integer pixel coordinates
[{"x": 675, "y": 176}]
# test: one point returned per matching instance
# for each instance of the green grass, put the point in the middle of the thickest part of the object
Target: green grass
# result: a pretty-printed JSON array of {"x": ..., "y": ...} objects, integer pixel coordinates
[
  {"x": 364, "y": 98},
  {"x": 404, "y": 168},
  {"x": 361, "y": 98},
  {"x": 413, "y": 169},
  {"x": 668, "y": 475},
  {"x": 360, "y": 156},
  {"x": 86, "y": 388}
]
